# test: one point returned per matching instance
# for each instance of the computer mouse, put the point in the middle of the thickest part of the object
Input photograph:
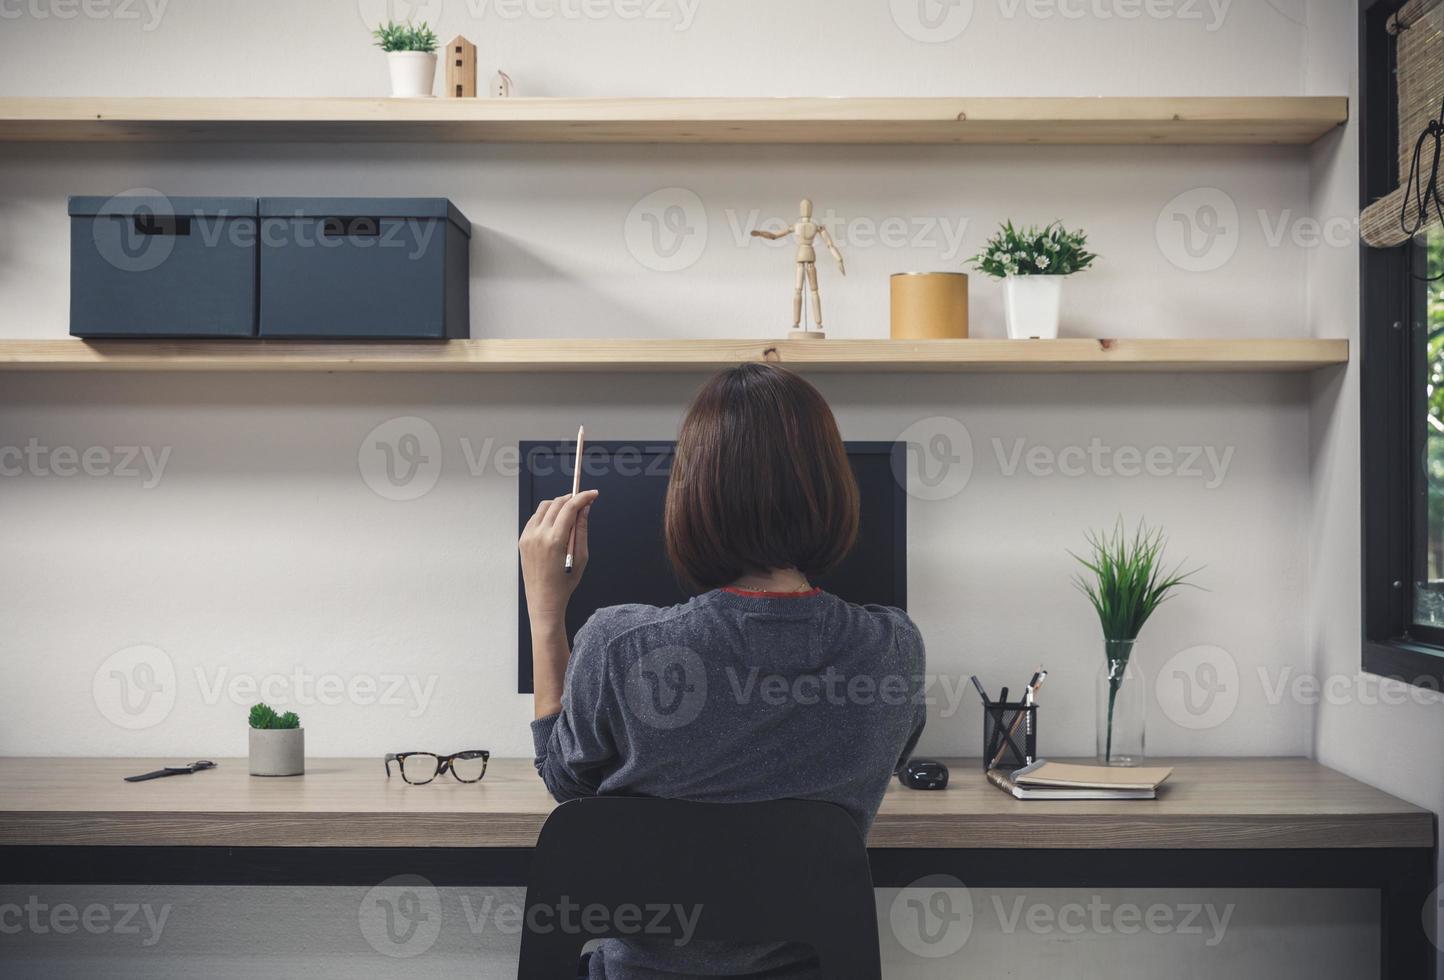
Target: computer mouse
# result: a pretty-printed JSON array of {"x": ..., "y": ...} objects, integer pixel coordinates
[{"x": 924, "y": 774}]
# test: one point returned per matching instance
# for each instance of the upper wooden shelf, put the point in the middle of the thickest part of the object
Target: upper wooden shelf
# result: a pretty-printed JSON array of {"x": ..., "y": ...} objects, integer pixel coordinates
[
  {"x": 1288, "y": 120},
  {"x": 634, "y": 355}
]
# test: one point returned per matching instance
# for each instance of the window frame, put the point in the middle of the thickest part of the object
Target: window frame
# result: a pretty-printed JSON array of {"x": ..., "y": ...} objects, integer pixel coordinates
[{"x": 1389, "y": 349}]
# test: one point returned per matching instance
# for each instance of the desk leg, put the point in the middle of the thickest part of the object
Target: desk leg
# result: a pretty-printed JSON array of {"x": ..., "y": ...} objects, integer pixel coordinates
[{"x": 1405, "y": 950}]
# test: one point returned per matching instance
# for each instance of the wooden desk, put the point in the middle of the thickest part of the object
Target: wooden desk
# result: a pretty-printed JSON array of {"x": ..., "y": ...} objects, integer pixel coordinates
[
  {"x": 1251, "y": 823},
  {"x": 1209, "y": 803}
]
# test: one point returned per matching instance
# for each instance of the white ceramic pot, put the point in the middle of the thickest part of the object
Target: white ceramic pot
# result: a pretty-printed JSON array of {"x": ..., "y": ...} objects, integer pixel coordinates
[
  {"x": 413, "y": 73},
  {"x": 1031, "y": 304},
  {"x": 278, "y": 751}
]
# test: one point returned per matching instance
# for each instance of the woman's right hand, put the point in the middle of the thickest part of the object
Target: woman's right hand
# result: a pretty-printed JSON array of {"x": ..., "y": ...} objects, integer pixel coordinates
[{"x": 544, "y": 544}]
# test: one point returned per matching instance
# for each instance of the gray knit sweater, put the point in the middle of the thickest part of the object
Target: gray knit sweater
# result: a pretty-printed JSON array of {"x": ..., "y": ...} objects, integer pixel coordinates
[{"x": 734, "y": 697}]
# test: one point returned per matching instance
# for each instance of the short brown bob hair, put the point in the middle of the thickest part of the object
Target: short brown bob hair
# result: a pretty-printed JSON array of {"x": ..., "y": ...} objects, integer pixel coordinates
[{"x": 760, "y": 480}]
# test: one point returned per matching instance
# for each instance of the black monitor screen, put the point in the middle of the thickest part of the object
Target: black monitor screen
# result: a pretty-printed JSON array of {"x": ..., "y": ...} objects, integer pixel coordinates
[{"x": 629, "y": 561}]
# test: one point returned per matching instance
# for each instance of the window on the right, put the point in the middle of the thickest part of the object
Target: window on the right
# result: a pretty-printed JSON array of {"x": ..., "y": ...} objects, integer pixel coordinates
[
  {"x": 1401, "y": 338},
  {"x": 1429, "y": 584}
]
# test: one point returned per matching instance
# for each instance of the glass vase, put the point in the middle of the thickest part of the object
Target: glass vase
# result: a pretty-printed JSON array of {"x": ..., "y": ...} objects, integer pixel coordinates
[{"x": 1122, "y": 700}]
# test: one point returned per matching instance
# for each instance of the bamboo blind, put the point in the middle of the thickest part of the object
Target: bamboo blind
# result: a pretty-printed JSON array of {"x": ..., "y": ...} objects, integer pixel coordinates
[{"x": 1419, "y": 28}]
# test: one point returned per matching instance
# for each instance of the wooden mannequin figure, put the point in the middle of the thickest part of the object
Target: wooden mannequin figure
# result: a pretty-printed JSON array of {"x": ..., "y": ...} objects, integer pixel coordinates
[{"x": 807, "y": 232}]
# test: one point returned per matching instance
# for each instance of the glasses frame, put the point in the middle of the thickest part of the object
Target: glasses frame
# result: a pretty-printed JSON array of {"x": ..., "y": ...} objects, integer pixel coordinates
[{"x": 444, "y": 764}]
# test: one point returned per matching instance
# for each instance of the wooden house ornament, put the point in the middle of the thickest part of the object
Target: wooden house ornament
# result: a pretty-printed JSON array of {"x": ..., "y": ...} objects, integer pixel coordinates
[{"x": 460, "y": 69}]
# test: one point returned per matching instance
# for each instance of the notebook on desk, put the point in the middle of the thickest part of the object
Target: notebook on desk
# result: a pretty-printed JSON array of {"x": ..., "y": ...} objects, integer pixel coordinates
[{"x": 1045, "y": 780}]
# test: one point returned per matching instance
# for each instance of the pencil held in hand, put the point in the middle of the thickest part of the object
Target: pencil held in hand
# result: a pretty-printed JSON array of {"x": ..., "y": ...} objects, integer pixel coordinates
[{"x": 576, "y": 489}]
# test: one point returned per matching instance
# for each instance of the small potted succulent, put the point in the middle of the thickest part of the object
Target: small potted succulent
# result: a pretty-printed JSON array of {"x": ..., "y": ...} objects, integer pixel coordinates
[
  {"x": 1033, "y": 262},
  {"x": 411, "y": 55},
  {"x": 278, "y": 743}
]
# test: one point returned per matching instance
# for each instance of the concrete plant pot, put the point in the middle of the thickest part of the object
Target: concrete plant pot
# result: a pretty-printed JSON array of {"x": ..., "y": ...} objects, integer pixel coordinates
[{"x": 278, "y": 751}]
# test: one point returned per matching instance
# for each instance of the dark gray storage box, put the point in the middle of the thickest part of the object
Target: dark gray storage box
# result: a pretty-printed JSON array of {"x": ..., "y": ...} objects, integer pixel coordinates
[
  {"x": 162, "y": 267},
  {"x": 361, "y": 268}
]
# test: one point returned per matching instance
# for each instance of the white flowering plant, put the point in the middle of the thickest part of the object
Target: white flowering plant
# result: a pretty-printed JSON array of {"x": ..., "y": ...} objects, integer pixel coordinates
[{"x": 1049, "y": 251}]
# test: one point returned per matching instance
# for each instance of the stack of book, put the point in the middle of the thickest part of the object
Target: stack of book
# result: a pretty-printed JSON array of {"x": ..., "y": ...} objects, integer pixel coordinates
[{"x": 1045, "y": 780}]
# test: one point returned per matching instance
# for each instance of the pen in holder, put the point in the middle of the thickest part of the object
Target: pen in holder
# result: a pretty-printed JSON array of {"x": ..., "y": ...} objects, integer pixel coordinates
[{"x": 1010, "y": 734}]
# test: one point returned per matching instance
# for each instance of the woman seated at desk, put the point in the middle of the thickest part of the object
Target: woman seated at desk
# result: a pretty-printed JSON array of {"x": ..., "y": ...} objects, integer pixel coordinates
[{"x": 761, "y": 499}]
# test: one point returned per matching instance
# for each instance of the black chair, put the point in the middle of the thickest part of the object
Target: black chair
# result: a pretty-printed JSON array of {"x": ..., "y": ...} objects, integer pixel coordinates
[{"x": 755, "y": 872}]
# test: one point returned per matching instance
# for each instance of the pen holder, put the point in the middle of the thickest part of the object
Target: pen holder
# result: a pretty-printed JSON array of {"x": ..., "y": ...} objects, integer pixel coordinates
[{"x": 1010, "y": 735}]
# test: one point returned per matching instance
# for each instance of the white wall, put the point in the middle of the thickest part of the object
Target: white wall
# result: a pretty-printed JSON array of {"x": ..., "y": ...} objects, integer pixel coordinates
[
  {"x": 262, "y": 551},
  {"x": 669, "y": 47}
]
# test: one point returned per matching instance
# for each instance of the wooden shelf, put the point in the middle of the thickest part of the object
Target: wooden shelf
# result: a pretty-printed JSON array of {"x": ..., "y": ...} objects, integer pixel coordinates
[
  {"x": 625, "y": 356},
  {"x": 1289, "y": 120}
]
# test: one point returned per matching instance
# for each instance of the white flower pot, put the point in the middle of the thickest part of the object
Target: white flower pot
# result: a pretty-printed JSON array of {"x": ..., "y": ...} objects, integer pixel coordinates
[
  {"x": 1031, "y": 304},
  {"x": 278, "y": 751},
  {"x": 413, "y": 73}
]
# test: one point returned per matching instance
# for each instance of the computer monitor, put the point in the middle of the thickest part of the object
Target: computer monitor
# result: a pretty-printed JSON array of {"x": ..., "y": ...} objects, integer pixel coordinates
[{"x": 629, "y": 560}]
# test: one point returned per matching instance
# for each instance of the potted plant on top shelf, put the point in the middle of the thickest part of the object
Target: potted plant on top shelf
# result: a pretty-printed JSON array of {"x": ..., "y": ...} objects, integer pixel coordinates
[
  {"x": 411, "y": 55},
  {"x": 1033, "y": 262}
]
